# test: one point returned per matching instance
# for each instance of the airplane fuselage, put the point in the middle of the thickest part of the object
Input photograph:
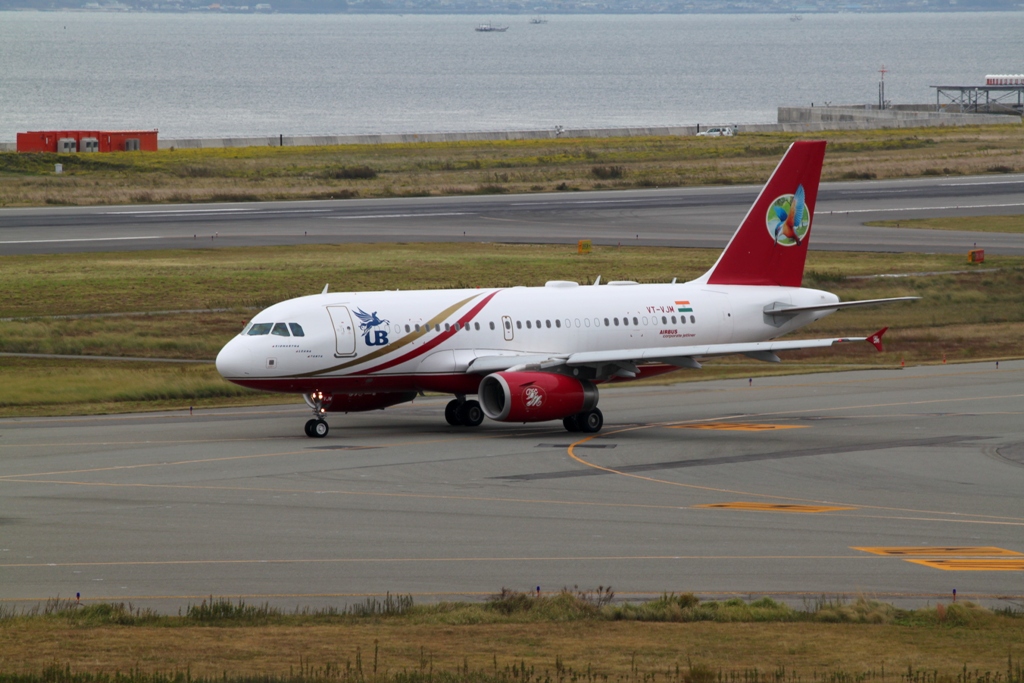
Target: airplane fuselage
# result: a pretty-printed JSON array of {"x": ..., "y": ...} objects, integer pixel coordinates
[{"x": 429, "y": 340}]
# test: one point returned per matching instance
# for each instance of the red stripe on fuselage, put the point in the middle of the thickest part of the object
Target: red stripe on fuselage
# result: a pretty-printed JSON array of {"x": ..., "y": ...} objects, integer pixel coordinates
[{"x": 448, "y": 383}]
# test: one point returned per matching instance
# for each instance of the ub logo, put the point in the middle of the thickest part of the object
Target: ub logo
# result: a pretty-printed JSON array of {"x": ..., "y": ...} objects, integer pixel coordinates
[
  {"x": 533, "y": 397},
  {"x": 371, "y": 336}
]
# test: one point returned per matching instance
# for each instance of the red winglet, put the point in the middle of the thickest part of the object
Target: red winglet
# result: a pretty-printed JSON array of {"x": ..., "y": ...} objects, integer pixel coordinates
[{"x": 876, "y": 339}]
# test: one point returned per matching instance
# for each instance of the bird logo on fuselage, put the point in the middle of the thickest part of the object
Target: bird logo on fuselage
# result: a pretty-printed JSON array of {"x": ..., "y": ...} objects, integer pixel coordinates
[{"x": 371, "y": 336}]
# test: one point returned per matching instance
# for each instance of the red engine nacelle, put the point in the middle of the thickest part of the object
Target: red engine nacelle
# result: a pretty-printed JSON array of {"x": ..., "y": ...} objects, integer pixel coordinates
[{"x": 534, "y": 396}]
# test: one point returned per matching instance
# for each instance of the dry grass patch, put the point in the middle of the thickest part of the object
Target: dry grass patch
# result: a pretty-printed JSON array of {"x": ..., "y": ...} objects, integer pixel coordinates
[
  {"x": 55, "y": 387},
  {"x": 422, "y": 169},
  {"x": 612, "y": 649}
]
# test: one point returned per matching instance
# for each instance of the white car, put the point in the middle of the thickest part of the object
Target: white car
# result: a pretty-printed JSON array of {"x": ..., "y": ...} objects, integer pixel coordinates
[{"x": 717, "y": 132}]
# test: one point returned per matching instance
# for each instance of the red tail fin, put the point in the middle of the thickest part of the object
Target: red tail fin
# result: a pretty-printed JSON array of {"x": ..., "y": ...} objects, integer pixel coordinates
[{"x": 770, "y": 246}]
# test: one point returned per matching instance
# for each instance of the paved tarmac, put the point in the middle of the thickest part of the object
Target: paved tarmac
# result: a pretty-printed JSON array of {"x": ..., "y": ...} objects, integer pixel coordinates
[
  {"x": 680, "y": 217},
  {"x": 721, "y": 488}
]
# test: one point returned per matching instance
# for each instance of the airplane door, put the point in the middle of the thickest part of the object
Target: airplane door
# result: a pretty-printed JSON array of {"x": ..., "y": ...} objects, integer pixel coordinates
[
  {"x": 722, "y": 315},
  {"x": 506, "y": 327},
  {"x": 344, "y": 333}
]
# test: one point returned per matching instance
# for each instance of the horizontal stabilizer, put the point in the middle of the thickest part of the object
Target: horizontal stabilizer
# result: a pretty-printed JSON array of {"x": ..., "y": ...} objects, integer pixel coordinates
[{"x": 780, "y": 309}]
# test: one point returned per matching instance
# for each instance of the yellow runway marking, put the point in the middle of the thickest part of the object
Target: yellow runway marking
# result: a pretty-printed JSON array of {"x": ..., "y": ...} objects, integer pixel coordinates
[
  {"x": 774, "y": 507},
  {"x": 737, "y": 426},
  {"x": 938, "y": 551},
  {"x": 974, "y": 565}
]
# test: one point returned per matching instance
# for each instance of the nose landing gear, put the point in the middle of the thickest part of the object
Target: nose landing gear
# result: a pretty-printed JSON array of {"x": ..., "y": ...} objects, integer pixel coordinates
[{"x": 317, "y": 427}]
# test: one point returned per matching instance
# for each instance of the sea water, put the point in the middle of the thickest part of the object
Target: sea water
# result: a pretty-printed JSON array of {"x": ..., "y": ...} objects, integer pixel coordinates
[{"x": 216, "y": 75}]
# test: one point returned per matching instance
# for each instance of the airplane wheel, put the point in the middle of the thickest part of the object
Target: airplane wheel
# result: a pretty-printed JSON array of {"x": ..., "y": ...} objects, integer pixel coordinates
[
  {"x": 571, "y": 424},
  {"x": 451, "y": 413},
  {"x": 319, "y": 429},
  {"x": 591, "y": 421},
  {"x": 470, "y": 414},
  {"x": 309, "y": 428}
]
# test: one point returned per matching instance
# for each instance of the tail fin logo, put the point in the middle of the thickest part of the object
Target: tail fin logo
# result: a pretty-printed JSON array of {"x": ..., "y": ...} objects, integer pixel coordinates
[{"x": 788, "y": 218}]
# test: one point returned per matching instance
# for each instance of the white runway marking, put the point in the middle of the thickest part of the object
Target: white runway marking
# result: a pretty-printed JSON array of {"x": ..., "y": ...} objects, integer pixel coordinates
[
  {"x": 402, "y": 215},
  {"x": 930, "y": 208},
  {"x": 84, "y": 239}
]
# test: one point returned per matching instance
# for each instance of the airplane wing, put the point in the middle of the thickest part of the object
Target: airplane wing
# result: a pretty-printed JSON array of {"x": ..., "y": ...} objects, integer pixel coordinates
[
  {"x": 682, "y": 356},
  {"x": 489, "y": 364},
  {"x": 686, "y": 356}
]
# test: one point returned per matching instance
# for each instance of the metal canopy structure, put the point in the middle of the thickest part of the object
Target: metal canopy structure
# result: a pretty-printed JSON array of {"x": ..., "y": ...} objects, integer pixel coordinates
[{"x": 993, "y": 99}]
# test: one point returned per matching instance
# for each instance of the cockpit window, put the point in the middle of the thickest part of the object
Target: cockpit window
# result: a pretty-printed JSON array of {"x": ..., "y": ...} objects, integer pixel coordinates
[
  {"x": 296, "y": 330},
  {"x": 281, "y": 330},
  {"x": 260, "y": 328}
]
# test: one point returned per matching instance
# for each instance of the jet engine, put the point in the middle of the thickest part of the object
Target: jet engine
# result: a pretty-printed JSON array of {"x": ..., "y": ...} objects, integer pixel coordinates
[{"x": 534, "y": 396}]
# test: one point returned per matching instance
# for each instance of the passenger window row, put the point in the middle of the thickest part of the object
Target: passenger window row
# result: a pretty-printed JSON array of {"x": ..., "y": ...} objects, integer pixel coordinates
[
  {"x": 599, "y": 322},
  {"x": 447, "y": 327},
  {"x": 558, "y": 324}
]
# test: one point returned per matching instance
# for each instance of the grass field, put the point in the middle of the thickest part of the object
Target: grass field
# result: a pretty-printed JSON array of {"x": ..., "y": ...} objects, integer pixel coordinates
[
  {"x": 967, "y": 312},
  {"x": 1013, "y": 224},
  {"x": 569, "y": 636},
  {"x": 422, "y": 169}
]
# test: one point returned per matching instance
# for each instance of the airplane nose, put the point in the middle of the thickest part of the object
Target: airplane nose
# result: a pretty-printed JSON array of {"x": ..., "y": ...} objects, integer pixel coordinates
[{"x": 234, "y": 360}]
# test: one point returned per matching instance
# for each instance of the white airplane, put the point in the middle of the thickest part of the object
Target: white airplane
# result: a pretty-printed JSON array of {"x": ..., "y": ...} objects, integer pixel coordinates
[{"x": 532, "y": 354}]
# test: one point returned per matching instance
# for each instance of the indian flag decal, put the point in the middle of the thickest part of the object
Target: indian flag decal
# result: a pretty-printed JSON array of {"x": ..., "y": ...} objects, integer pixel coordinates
[{"x": 684, "y": 307}]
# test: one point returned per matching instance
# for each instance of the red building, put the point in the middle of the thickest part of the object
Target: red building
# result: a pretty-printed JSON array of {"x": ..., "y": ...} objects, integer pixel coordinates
[{"x": 66, "y": 141}]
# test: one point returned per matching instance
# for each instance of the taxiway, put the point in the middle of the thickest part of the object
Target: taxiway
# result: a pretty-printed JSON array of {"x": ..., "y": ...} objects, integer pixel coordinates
[
  {"x": 680, "y": 217},
  {"x": 901, "y": 485}
]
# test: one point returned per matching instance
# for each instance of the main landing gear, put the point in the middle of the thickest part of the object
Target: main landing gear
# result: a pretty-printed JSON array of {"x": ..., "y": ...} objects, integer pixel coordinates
[
  {"x": 317, "y": 427},
  {"x": 460, "y": 412},
  {"x": 588, "y": 422}
]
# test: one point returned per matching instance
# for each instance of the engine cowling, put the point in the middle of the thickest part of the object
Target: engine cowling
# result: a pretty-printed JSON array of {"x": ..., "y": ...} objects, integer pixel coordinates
[{"x": 534, "y": 396}]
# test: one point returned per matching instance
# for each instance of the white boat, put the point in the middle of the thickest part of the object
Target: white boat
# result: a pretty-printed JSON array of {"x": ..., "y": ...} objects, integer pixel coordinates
[
  {"x": 490, "y": 28},
  {"x": 538, "y": 20}
]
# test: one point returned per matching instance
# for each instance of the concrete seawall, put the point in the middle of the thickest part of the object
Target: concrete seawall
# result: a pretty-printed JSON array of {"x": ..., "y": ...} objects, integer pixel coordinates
[
  {"x": 790, "y": 120},
  {"x": 405, "y": 138},
  {"x": 900, "y": 116}
]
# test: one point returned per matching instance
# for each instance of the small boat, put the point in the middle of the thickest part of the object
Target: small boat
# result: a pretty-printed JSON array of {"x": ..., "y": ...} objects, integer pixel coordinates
[
  {"x": 538, "y": 20},
  {"x": 490, "y": 28}
]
